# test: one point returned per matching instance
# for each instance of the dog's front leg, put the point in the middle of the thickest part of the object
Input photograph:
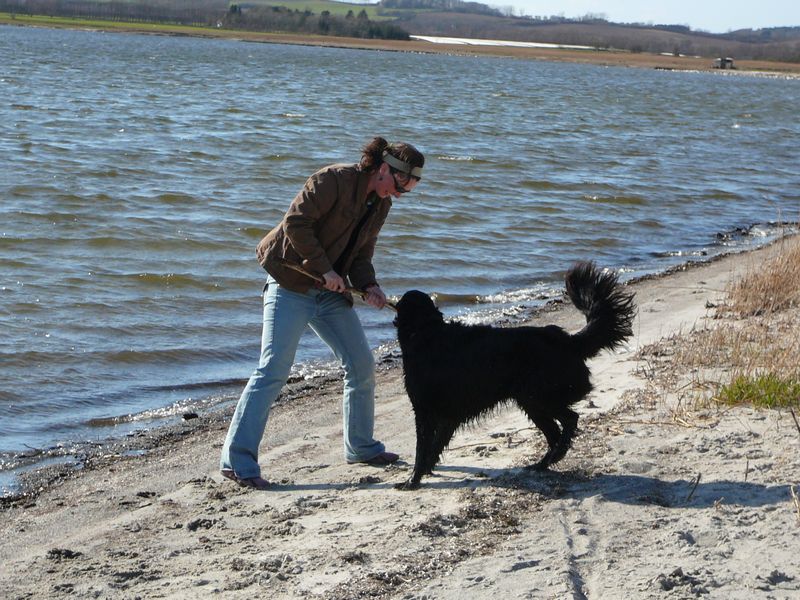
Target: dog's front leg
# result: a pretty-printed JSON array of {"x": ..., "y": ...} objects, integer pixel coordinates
[
  {"x": 441, "y": 439},
  {"x": 425, "y": 434}
]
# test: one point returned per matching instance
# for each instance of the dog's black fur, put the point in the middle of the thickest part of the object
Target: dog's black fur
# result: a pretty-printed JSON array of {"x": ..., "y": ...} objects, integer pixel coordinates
[{"x": 454, "y": 373}]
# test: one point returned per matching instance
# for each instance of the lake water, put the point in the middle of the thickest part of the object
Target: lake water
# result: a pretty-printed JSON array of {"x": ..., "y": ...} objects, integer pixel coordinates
[{"x": 138, "y": 173}]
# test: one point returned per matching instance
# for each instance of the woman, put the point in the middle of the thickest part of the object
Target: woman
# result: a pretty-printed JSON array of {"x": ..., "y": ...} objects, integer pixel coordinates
[{"x": 330, "y": 231}]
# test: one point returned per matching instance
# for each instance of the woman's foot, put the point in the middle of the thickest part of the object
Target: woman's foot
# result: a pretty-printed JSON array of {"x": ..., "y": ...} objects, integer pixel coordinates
[
  {"x": 256, "y": 483},
  {"x": 381, "y": 460}
]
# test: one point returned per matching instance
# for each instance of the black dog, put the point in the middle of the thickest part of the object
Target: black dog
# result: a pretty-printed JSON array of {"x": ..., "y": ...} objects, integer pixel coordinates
[{"x": 454, "y": 373}]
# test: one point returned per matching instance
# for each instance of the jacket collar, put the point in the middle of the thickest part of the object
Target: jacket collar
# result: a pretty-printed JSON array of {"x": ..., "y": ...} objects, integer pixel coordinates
[{"x": 361, "y": 188}]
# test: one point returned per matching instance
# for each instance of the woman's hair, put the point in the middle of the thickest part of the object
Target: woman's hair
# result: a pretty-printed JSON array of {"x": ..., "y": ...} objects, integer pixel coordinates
[{"x": 372, "y": 154}]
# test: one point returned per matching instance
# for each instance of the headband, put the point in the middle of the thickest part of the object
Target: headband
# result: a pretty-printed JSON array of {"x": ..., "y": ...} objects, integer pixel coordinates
[{"x": 401, "y": 166}]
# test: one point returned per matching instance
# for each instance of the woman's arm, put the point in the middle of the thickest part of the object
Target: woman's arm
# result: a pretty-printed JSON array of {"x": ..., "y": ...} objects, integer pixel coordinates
[{"x": 316, "y": 199}]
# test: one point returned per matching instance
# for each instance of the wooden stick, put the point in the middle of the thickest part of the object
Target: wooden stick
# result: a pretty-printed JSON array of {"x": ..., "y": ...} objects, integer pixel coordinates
[
  {"x": 321, "y": 281},
  {"x": 694, "y": 487},
  {"x": 796, "y": 500},
  {"x": 796, "y": 424},
  {"x": 508, "y": 438},
  {"x": 677, "y": 421}
]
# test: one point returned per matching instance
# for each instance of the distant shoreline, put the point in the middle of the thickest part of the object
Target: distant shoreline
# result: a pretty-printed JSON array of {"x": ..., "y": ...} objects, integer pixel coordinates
[{"x": 610, "y": 58}]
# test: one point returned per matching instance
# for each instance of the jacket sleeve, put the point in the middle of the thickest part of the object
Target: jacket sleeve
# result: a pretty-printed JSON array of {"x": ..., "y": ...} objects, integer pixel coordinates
[{"x": 300, "y": 225}]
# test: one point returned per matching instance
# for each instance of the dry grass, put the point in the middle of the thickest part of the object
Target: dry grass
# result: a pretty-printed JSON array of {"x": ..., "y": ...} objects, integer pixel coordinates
[
  {"x": 748, "y": 354},
  {"x": 772, "y": 290}
]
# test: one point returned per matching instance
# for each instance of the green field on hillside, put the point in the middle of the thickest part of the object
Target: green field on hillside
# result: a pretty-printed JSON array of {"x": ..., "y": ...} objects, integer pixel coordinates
[
  {"x": 43, "y": 21},
  {"x": 318, "y": 6}
]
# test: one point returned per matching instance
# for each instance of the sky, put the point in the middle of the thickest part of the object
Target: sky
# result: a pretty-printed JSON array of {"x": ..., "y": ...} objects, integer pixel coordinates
[{"x": 715, "y": 16}]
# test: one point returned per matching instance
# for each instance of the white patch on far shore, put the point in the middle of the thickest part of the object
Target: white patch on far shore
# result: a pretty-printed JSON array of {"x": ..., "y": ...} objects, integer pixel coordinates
[{"x": 482, "y": 42}]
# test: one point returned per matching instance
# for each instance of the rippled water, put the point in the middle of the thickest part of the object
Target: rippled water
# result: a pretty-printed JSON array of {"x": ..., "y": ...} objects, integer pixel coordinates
[{"x": 139, "y": 172}]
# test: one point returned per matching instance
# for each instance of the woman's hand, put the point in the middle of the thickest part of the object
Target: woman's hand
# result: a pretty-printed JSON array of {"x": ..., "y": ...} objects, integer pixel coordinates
[
  {"x": 375, "y": 296},
  {"x": 334, "y": 282}
]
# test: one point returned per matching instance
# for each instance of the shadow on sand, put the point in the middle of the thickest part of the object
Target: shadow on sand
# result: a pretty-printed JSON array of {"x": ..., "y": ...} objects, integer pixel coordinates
[{"x": 621, "y": 488}]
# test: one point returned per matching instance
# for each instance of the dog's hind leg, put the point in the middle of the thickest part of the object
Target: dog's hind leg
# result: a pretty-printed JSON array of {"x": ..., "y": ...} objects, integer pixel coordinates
[
  {"x": 569, "y": 423},
  {"x": 548, "y": 426}
]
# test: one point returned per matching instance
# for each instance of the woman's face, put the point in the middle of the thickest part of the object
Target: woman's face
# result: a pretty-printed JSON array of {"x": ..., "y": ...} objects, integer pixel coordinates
[{"x": 393, "y": 183}]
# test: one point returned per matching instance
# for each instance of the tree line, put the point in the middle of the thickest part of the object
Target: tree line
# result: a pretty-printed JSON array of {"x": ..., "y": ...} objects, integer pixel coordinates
[
  {"x": 182, "y": 12},
  {"x": 280, "y": 18},
  {"x": 781, "y": 44},
  {"x": 212, "y": 13}
]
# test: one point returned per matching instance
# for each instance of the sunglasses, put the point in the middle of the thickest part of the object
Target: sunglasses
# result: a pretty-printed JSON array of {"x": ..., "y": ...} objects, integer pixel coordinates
[{"x": 399, "y": 185}]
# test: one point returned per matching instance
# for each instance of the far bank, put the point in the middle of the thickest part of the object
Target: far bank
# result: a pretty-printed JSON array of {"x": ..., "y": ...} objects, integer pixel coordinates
[{"x": 611, "y": 58}]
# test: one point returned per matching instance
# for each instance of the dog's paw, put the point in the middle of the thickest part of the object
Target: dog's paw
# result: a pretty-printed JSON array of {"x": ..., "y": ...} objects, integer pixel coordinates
[
  {"x": 540, "y": 466},
  {"x": 408, "y": 485}
]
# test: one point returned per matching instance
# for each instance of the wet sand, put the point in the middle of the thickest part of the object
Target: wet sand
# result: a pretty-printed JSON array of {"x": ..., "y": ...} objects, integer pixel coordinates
[{"x": 644, "y": 505}]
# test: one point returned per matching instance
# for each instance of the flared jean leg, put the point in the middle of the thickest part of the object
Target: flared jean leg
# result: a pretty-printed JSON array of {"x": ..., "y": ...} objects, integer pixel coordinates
[
  {"x": 338, "y": 325},
  {"x": 280, "y": 337}
]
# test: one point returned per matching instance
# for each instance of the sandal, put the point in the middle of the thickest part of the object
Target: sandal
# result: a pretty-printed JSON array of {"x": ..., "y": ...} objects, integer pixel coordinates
[
  {"x": 257, "y": 483},
  {"x": 383, "y": 459}
]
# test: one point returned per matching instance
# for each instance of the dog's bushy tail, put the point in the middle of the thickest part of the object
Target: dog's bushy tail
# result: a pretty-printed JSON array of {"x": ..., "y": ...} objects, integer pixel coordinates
[{"x": 609, "y": 310}]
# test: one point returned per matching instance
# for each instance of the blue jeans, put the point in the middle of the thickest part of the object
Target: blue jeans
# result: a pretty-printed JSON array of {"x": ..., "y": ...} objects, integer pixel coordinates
[{"x": 286, "y": 314}]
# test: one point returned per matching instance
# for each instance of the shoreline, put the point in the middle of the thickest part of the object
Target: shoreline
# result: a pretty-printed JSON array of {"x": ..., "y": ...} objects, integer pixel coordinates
[
  {"x": 51, "y": 465},
  {"x": 642, "y": 504},
  {"x": 607, "y": 58}
]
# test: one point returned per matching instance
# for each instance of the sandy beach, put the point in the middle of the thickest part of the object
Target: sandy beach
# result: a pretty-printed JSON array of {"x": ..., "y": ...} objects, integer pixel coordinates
[{"x": 649, "y": 503}]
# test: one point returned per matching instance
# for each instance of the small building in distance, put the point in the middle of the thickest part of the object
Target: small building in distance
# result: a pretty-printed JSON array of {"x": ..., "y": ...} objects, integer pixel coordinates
[{"x": 724, "y": 63}]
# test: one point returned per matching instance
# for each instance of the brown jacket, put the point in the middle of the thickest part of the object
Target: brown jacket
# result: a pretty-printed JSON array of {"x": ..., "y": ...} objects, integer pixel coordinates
[{"x": 315, "y": 230}]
